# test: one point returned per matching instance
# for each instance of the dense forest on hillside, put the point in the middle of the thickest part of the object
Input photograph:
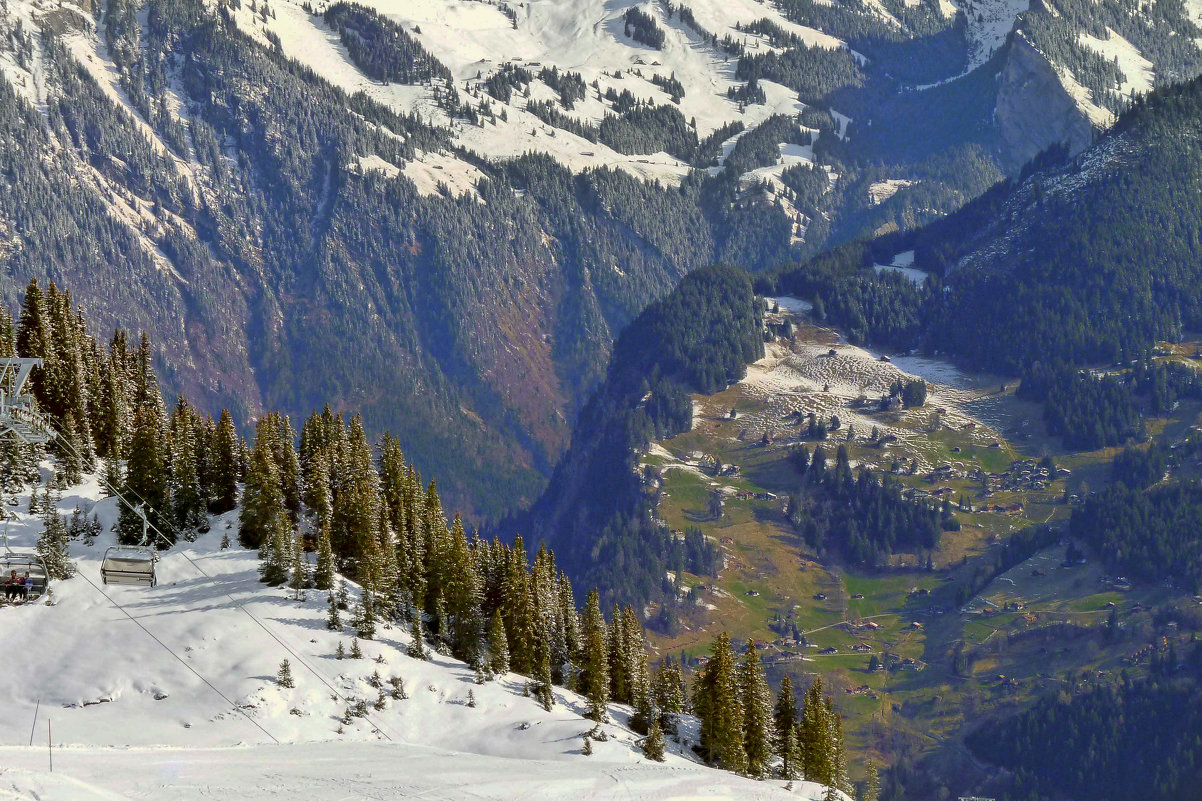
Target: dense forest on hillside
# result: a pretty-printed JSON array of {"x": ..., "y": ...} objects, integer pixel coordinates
[
  {"x": 381, "y": 48},
  {"x": 1149, "y": 534},
  {"x": 1141, "y": 738},
  {"x": 861, "y": 517},
  {"x": 414, "y": 291}
]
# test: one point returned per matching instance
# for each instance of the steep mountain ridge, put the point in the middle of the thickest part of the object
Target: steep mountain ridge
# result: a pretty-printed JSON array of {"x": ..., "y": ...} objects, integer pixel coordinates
[{"x": 461, "y": 243}]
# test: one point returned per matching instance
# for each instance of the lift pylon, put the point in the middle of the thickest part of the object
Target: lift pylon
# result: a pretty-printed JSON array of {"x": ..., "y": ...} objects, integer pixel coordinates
[{"x": 20, "y": 421}]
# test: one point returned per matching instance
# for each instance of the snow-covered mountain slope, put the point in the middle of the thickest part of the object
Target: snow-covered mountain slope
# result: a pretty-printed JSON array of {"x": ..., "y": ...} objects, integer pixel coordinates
[
  {"x": 170, "y": 692},
  {"x": 474, "y": 39}
]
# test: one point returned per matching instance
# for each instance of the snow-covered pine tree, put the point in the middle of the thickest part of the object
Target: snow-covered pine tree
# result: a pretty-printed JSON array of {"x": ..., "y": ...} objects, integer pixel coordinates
[
  {"x": 618, "y": 654},
  {"x": 716, "y": 701},
  {"x": 366, "y": 624},
  {"x": 587, "y": 748},
  {"x": 52, "y": 544},
  {"x": 298, "y": 578},
  {"x": 839, "y": 774},
  {"x": 323, "y": 576},
  {"x": 224, "y": 465},
  {"x": 92, "y": 530},
  {"x": 814, "y": 737},
  {"x": 872, "y": 783},
  {"x": 340, "y": 651},
  {"x": 653, "y": 743},
  {"x": 276, "y": 553},
  {"x": 498, "y": 646},
  {"x": 668, "y": 692},
  {"x": 594, "y": 660},
  {"x": 77, "y": 526},
  {"x": 790, "y": 755},
  {"x": 758, "y": 729},
  {"x": 146, "y": 472},
  {"x": 462, "y": 594},
  {"x": 263, "y": 513},
  {"x": 113, "y": 475},
  {"x": 784, "y": 718},
  {"x": 543, "y": 679},
  {"x": 356, "y": 651},
  {"x": 187, "y": 503},
  {"x": 417, "y": 636},
  {"x": 284, "y": 676}
]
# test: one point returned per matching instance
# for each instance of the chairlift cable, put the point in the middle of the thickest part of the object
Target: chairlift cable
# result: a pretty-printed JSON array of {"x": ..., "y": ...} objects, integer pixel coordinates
[
  {"x": 159, "y": 534},
  {"x": 180, "y": 659}
]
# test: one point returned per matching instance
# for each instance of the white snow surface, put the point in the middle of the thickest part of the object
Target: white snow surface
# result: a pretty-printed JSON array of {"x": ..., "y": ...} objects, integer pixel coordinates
[
  {"x": 1138, "y": 71},
  {"x": 475, "y": 39},
  {"x": 169, "y": 693}
]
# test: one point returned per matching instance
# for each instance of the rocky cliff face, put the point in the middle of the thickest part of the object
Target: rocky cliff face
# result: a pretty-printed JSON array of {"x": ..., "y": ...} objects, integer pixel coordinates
[{"x": 1034, "y": 110}]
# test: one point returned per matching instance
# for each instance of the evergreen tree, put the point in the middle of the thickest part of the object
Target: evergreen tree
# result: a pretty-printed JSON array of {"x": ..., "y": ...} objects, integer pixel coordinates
[
  {"x": 223, "y": 466},
  {"x": 356, "y": 507},
  {"x": 417, "y": 645},
  {"x": 594, "y": 663},
  {"x": 872, "y": 783},
  {"x": 653, "y": 743},
  {"x": 356, "y": 650},
  {"x": 187, "y": 503},
  {"x": 52, "y": 544},
  {"x": 498, "y": 646},
  {"x": 298, "y": 578},
  {"x": 668, "y": 693},
  {"x": 716, "y": 701},
  {"x": 814, "y": 738},
  {"x": 462, "y": 595},
  {"x": 276, "y": 553},
  {"x": 366, "y": 623},
  {"x": 263, "y": 510},
  {"x": 146, "y": 475},
  {"x": 546, "y": 695},
  {"x": 284, "y": 677},
  {"x": 333, "y": 619},
  {"x": 323, "y": 576},
  {"x": 839, "y": 774},
  {"x": 758, "y": 729},
  {"x": 784, "y": 718}
]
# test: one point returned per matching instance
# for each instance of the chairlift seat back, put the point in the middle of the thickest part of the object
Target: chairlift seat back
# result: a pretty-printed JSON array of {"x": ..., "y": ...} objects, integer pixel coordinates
[{"x": 129, "y": 564}]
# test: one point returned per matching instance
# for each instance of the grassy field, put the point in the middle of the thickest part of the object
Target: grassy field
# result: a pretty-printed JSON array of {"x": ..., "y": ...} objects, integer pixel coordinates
[{"x": 1012, "y": 640}]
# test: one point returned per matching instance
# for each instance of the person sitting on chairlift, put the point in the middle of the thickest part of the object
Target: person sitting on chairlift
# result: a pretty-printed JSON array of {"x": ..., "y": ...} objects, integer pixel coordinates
[
  {"x": 26, "y": 586},
  {"x": 13, "y": 586}
]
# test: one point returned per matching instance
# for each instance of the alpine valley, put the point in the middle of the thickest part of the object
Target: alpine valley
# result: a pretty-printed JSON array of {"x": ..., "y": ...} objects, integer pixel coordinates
[{"x": 812, "y": 386}]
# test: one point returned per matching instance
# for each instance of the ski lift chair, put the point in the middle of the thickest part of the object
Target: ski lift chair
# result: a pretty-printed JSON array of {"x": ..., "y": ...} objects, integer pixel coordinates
[
  {"x": 129, "y": 564},
  {"x": 26, "y": 563},
  {"x": 132, "y": 564}
]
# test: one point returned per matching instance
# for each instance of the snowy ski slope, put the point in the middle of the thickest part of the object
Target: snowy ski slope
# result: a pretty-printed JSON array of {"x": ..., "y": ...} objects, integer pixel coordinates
[{"x": 170, "y": 693}]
